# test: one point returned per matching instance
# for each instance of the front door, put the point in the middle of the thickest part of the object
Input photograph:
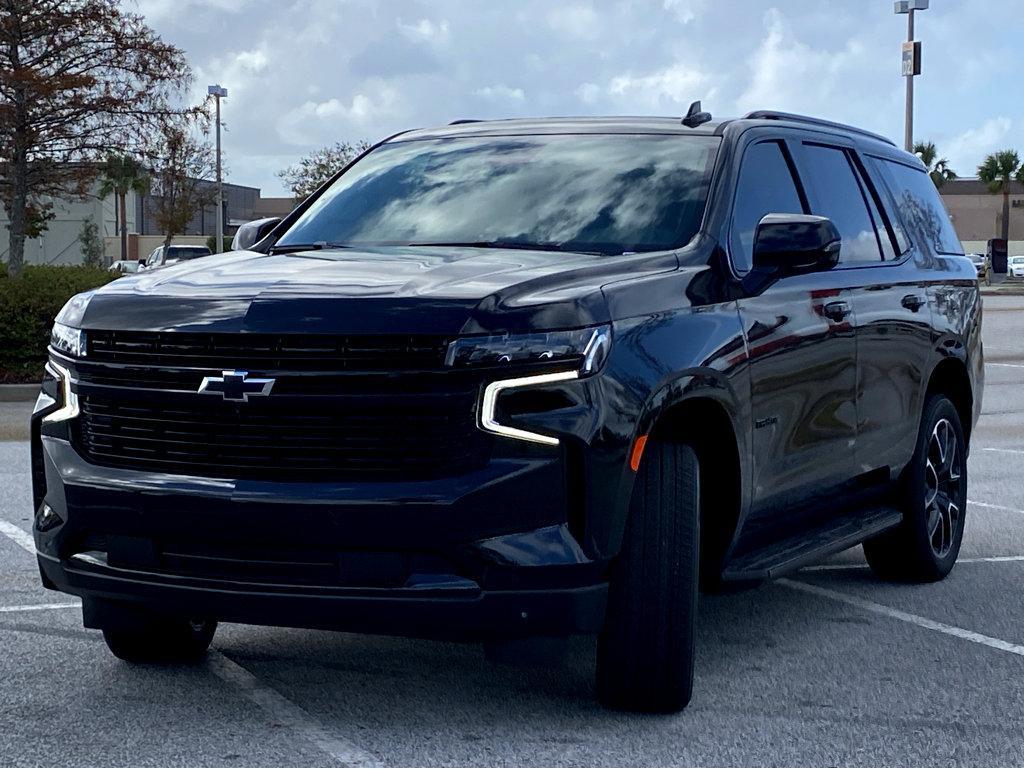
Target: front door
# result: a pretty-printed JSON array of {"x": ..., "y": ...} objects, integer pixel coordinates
[{"x": 801, "y": 348}]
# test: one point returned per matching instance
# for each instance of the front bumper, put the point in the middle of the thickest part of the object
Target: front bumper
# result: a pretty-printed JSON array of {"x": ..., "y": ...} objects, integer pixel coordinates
[
  {"x": 458, "y": 609},
  {"x": 486, "y": 555}
]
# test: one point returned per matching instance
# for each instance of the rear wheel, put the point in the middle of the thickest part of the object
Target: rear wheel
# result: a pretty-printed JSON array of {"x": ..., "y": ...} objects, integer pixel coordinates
[
  {"x": 925, "y": 546},
  {"x": 160, "y": 639},
  {"x": 645, "y": 652}
]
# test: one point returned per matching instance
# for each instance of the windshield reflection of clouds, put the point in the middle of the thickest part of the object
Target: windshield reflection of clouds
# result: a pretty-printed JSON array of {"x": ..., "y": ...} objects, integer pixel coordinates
[{"x": 609, "y": 193}]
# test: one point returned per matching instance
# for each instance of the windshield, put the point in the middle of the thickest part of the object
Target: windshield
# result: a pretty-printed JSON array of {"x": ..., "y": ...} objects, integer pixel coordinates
[
  {"x": 179, "y": 254},
  {"x": 1017, "y": 260},
  {"x": 607, "y": 193}
]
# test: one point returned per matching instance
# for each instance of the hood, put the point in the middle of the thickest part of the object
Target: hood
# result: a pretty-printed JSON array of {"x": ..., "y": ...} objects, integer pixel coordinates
[{"x": 381, "y": 290}]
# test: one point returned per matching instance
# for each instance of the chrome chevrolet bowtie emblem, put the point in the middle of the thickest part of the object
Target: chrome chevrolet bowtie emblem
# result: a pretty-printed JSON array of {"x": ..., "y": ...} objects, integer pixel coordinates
[{"x": 235, "y": 385}]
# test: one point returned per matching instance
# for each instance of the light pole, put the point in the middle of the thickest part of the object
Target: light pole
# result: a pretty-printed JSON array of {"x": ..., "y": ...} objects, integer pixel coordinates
[
  {"x": 911, "y": 64},
  {"x": 219, "y": 93}
]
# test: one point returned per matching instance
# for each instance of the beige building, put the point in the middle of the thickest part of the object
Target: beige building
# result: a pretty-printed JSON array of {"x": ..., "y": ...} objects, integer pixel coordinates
[{"x": 977, "y": 214}]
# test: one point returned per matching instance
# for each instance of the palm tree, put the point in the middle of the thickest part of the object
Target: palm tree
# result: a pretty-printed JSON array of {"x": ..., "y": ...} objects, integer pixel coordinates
[
  {"x": 997, "y": 171},
  {"x": 119, "y": 175},
  {"x": 938, "y": 168}
]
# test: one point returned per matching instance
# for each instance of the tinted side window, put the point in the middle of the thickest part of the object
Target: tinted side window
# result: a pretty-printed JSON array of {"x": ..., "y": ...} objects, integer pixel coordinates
[
  {"x": 920, "y": 208},
  {"x": 766, "y": 186},
  {"x": 883, "y": 229},
  {"x": 837, "y": 194}
]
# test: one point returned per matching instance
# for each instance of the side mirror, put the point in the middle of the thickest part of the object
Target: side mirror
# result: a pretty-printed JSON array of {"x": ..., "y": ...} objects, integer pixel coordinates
[
  {"x": 793, "y": 244},
  {"x": 251, "y": 233}
]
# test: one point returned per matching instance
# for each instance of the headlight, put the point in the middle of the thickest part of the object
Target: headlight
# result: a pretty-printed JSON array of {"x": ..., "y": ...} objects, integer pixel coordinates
[
  {"x": 588, "y": 347},
  {"x": 70, "y": 341}
]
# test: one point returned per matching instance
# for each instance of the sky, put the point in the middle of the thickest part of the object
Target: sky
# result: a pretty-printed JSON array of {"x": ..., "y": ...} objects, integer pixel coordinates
[{"x": 303, "y": 74}]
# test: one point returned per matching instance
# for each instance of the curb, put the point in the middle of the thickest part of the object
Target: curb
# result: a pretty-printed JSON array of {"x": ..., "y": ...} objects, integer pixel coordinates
[
  {"x": 13, "y": 393},
  {"x": 14, "y": 432}
]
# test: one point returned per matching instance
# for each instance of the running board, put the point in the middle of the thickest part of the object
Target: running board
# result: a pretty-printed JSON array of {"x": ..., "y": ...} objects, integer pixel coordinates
[{"x": 789, "y": 554}]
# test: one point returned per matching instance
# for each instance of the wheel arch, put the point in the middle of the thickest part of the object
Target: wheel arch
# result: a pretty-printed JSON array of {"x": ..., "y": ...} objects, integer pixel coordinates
[
  {"x": 706, "y": 422},
  {"x": 950, "y": 378}
]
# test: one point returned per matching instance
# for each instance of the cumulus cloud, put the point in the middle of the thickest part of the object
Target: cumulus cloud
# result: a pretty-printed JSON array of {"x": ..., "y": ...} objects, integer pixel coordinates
[
  {"x": 966, "y": 150},
  {"x": 670, "y": 87},
  {"x": 326, "y": 121},
  {"x": 303, "y": 73},
  {"x": 500, "y": 93},
  {"x": 573, "y": 20}
]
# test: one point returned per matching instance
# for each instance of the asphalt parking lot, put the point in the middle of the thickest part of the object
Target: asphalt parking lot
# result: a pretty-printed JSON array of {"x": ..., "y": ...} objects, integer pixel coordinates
[{"x": 827, "y": 667}]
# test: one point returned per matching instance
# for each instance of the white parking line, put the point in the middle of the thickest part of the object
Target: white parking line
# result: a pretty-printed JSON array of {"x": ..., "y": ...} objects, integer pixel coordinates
[
  {"x": 902, "y": 616},
  {"x": 854, "y": 566},
  {"x": 1008, "y": 365},
  {"x": 39, "y": 607},
  {"x": 285, "y": 712},
  {"x": 18, "y": 535},
  {"x": 281, "y": 709},
  {"x": 995, "y": 507},
  {"x": 1003, "y": 451}
]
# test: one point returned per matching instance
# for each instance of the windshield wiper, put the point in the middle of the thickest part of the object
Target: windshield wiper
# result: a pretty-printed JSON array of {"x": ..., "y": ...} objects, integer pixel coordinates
[
  {"x": 290, "y": 248},
  {"x": 510, "y": 244}
]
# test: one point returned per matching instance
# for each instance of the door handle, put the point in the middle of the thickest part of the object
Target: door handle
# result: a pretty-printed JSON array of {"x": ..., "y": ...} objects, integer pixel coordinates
[
  {"x": 912, "y": 302},
  {"x": 836, "y": 311}
]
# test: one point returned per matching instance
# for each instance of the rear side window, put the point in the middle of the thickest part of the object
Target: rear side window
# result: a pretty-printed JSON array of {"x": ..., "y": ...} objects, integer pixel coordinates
[
  {"x": 766, "y": 186},
  {"x": 920, "y": 208},
  {"x": 837, "y": 193}
]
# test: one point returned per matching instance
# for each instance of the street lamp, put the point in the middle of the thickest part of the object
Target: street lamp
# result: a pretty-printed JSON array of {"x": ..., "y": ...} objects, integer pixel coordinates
[
  {"x": 911, "y": 64},
  {"x": 218, "y": 93}
]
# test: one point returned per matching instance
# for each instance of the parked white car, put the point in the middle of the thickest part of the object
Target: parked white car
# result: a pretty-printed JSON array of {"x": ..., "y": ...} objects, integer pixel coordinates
[
  {"x": 1015, "y": 267},
  {"x": 125, "y": 266}
]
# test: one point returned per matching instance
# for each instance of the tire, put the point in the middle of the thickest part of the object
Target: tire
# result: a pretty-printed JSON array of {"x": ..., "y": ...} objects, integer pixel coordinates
[
  {"x": 161, "y": 639},
  {"x": 925, "y": 546},
  {"x": 646, "y": 649}
]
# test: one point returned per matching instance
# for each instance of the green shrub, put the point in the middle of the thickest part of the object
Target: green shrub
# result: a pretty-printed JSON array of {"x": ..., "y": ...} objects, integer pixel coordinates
[{"x": 28, "y": 306}]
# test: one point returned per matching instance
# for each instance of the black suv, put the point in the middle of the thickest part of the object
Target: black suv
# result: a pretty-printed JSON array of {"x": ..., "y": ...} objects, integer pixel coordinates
[{"x": 518, "y": 378}]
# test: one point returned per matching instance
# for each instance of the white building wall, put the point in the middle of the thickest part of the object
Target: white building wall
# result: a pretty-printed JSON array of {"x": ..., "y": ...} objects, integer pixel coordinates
[{"x": 59, "y": 243}]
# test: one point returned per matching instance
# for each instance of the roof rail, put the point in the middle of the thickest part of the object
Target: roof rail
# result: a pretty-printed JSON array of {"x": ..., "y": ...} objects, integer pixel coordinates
[
  {"x": 767, "y": 114},
  {"x": 460, "y": 121}
]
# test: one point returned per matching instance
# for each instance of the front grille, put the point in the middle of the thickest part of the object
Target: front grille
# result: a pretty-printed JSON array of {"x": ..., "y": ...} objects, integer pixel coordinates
[
  {"x": 262, "y": 352},
  {"x": 398, "y": 437}
]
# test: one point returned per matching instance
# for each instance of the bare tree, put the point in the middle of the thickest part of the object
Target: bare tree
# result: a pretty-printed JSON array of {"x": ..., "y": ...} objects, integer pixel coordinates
[
  {"x": 183, "y": 162},
  {"x": 303, "y": 178},
  {"x": 77, "y": 78}
]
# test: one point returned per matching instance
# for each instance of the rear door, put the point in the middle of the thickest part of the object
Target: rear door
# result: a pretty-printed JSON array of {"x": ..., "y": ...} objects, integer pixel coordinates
[
  {"x": 892, "y": 317},
  {"x": 801, "y": 351}
]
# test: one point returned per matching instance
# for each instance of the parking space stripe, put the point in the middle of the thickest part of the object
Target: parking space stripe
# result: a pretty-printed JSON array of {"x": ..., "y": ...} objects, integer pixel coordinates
[
  {"x": 995, "y": 507},
  {"x": 1004, "y": 451},
  {"x": 851, "y": 566},
  {"x": 287, "y": 713},
  {"x": 39, "y": 607},
  {"x": 902, "y": 616},
  {"x": 18, "y": 535},
  {"x": 1008, "y": 365}
]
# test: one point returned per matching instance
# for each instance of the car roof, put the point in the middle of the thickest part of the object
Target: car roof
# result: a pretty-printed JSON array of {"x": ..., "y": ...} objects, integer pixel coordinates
[
  {"x": 657, "y": 125},
  {"x": 629, "y": 124}
]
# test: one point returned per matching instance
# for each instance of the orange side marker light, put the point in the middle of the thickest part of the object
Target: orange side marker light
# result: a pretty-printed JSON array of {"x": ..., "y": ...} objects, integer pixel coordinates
[{"x": 638, "y": 451}]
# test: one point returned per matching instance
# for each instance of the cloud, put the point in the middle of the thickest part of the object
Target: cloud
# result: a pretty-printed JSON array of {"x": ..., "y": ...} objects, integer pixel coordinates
[
  {"x": 966, "y": 150},
  {"x": 789, "y": 74},
  {"x": 685, "y": 11},
  {"x": 323, "y": 122},
  {"x": 668, "y": 88},
  {"x": 425, "y": 30},
  {"x": 576, "y": 21},
  {"x": 303, "y": 73},
  {"x": 500, "y": 93}
]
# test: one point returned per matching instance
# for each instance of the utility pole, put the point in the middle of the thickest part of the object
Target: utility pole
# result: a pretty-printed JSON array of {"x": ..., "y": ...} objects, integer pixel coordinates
[
  {"x": 219, "y": 93},
  {"x": 911, "y": 64}
]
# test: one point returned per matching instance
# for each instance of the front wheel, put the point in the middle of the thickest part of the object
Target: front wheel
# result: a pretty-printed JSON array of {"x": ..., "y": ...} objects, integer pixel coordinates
[
  {"x": 645, "y": 652},
  {"x": 925, "y": 546},
  {"x": 161, "y": 639}
]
